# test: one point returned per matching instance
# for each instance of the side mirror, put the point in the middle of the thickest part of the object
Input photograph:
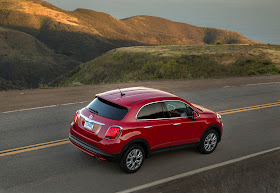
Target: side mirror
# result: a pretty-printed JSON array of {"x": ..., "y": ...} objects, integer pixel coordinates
[{"x": 194, "y": 115}]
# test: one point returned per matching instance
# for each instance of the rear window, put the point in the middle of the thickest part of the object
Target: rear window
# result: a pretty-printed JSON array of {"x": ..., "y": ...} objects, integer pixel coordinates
[{"x": 107, "y": 109}]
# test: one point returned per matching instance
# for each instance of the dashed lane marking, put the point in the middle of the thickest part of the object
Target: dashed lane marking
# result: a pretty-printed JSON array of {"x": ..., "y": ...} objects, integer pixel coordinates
[
  {"x": 44, "y": 107},
  {"x": 65, "y": 141}
]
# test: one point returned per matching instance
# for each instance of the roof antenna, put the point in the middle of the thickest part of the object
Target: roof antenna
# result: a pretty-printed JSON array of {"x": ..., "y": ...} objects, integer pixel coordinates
[{"x": 122, "y": 94}]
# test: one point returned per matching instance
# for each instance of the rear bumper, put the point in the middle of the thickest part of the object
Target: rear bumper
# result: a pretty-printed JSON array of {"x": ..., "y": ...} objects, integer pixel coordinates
[{"x": 92, "y": 150}]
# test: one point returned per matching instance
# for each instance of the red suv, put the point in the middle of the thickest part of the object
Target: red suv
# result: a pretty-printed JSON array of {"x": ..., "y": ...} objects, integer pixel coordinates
[{"x": 131, "y": 124}]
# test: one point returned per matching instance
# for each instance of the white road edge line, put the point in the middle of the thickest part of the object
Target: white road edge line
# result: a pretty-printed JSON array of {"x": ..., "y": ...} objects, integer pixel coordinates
[
  {"x": 189, "y": 173},
  {"x": 264, "y": 83},
  {"x": 44, "y": 107},
  {"x": 89, "y": 101}
]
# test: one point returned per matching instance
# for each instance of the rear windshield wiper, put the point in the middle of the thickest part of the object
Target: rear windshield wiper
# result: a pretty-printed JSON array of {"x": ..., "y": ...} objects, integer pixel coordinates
[{"x": 94, "y": 111}]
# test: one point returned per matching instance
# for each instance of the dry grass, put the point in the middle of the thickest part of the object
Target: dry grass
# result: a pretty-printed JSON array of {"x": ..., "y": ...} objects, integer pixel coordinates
[
  {"x": 226, "y": 54},
  {"x": 36, "y": 9},
  {"x": 274, "y": 55},
  {"x": 174, "y": 62},
  {"x": 32, "y": 8}
]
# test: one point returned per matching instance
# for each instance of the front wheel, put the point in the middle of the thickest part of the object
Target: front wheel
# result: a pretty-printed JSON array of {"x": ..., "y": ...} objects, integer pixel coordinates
[
  {"x": 208, "y": 142},
  {"x": 133, "y": 159}
]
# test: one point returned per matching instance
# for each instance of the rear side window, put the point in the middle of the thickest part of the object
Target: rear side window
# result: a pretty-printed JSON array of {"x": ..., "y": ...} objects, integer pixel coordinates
[
  {"x": 152, "y": 111},
  {"x": 107, "y": 109}
]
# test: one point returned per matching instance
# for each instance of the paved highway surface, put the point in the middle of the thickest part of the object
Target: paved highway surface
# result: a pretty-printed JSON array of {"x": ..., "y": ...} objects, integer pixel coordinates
[{"x": 63, "y": 168}]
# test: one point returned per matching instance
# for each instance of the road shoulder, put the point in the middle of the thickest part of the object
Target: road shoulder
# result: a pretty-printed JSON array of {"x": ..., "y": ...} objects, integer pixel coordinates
[
  {"x": 23, "y": 99},
  {"x": 258, "y": 174}
]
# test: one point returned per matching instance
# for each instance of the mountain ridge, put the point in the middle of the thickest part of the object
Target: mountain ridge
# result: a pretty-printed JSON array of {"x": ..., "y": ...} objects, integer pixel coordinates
[
  {"x": 83, "y": 34},
  {"x": 45, "y": 18}
]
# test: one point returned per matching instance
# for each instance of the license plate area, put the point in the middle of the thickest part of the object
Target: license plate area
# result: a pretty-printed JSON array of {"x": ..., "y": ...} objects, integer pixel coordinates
[{"x": 88, "y": 125}]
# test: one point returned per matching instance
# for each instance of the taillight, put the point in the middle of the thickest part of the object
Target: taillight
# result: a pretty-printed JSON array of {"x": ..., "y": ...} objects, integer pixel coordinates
[
  {"x": 76, "y": 116},
  {"x": 113, "y": 132}
]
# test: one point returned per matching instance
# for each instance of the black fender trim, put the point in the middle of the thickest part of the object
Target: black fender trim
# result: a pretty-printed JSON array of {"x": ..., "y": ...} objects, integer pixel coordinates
[
  {"x": 174, "y": 148},
  {"x": 211, "y": 127},
  {"x": 137, "y": 141}
]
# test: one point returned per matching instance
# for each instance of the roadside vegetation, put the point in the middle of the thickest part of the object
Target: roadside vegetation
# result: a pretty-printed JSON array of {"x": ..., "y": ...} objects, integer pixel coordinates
[{"x": 175, "y": 62}]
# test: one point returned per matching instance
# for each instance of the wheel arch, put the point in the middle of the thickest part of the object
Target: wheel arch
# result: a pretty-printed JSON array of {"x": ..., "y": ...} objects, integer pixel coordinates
[
  {"x": 140, "y": 141},
  {"x": 216, "y": 128}
]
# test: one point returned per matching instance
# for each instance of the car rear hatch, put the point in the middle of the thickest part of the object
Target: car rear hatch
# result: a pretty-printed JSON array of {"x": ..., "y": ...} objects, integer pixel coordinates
[{"x": 95, "y": 119}]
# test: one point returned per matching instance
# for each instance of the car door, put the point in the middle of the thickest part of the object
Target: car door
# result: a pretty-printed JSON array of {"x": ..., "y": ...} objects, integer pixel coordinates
[
  {"x": 184, "y": 129},
  {"x": 156, "y": 124}
]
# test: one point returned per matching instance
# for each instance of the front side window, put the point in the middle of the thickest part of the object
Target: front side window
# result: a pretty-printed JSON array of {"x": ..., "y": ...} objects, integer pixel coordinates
[
  {"x": 151, "y": 111},
  {"x": 178, "y": 109}
]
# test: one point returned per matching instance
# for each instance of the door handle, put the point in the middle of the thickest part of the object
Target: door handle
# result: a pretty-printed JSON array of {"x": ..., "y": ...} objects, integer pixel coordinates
[
  {"x": 177, "y": 124},
  {"x": 147, "y": 127}
]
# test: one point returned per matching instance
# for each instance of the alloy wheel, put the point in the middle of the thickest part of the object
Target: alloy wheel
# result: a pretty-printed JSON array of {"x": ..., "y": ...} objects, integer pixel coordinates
[
  {"x": 210, "y": 142},
  {"x": 134, "y": 159}
]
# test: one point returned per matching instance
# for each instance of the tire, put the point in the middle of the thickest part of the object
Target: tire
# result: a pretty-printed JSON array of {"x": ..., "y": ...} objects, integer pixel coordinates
[
  {"x": 208, "y": 142},
  {"x": 133, "y": 159}
]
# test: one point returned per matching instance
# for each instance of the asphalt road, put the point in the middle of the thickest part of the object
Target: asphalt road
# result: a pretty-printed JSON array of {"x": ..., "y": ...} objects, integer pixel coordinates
[{"x": 64, "y": 168}]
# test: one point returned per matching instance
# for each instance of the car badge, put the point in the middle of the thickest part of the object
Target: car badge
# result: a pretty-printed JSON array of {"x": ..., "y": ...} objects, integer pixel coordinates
[{"x": 90, "y": 116}]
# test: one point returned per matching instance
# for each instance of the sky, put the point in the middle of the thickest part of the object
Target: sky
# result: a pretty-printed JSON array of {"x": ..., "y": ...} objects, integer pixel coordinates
[{"x": 258, "y": 20}]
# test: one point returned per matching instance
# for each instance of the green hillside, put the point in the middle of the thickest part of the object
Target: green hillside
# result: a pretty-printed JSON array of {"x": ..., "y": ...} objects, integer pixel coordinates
[
  {"x": 25, "y": 62},
  {"x": 175, "y": 62}
]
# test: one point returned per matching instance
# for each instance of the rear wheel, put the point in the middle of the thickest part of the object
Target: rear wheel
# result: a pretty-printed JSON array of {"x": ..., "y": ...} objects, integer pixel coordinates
[
  {"x": 208, "y": 142},
  {"x": 133, "y": 159}
]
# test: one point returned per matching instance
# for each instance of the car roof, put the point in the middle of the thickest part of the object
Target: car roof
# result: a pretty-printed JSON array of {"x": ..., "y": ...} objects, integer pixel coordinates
[{"x": 133, "y": 95}]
